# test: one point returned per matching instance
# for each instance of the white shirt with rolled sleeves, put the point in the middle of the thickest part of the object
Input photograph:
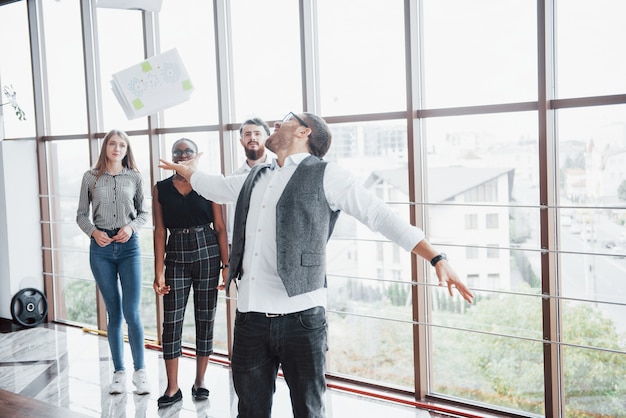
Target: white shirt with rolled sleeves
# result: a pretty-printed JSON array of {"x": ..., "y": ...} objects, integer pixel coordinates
[{"x": 261, "y": 289}]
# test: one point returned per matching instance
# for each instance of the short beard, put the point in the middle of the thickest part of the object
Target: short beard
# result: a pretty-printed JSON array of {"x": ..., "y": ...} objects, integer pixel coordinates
[{"x": 254, "y": 155}]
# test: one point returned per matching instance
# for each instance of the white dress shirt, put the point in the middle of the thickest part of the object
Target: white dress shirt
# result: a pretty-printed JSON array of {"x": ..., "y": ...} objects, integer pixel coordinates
[{"x": 260, "y": 288}]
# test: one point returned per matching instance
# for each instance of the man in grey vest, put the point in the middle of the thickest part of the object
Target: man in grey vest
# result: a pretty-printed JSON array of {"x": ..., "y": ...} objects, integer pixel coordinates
[{"x": 284, "y": 216}]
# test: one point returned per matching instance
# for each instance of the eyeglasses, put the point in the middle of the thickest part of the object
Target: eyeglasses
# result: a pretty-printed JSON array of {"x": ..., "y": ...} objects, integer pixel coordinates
[
  {"x": 298, "y": 118},
  {"x": 187, "y": 153}
]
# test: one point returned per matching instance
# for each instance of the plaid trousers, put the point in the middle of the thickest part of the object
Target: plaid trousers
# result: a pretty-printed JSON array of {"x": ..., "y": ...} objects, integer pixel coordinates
[{"x": 192, "y": 259}]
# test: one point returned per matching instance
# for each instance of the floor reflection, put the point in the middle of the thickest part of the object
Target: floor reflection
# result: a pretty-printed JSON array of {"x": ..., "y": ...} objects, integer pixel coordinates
[
  {"x": 67, "y": 367},
  {"x": 172, "y": 411}
]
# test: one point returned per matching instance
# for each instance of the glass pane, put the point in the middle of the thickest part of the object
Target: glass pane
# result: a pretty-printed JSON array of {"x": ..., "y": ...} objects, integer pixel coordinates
[
  {"x": 266, "y": 59},
  {"x": 595, "y": 231},
  {"x": 588, "y": 38},
  {"x": 481, "y": 170},
  {"x": 491, "y": 301},
  {"x": 66, "y": 235},
  {"x": 484, "y": 366},
  {"x": 187, "y": 25},
  {"x": 484, "y": 227},
  {"x": 592, "y": 157},
  {"x": 369, "y": 151},
  {"x": 483, "y": 178},
  {"x": 369, "y": 277},
  {"x": 500, "y": 371},
  {"x": 67, "y": 162},
  {"x": 364, "y": 147},
  {"x": 148, "y": 301},
  {"x": 371, "y": 349},
  {"x": 598, "y": 279},
  {"x": 479, "y": 52},
  {"x": 591, "y": 324},
  {"x": 75, "y": 289},
  {"x": 605, "y": 398},
  {"x": 75, "y": 300},
  {"x": 488, "y": 267},
  {"x": 16, "y": 71},
  {"x": 592, "y": 218},
  {"x": 483, "y": 158},
  {"x": 362, "y": 70},
  {"x": 73, "y": 263},
  {"x": 592, "y": 191},
  {"x": 66, "y": 74},
  {"x": 380, "y": 292},
  {"x": 141, "y": 152},
  {"x": 118, "y": 50}
]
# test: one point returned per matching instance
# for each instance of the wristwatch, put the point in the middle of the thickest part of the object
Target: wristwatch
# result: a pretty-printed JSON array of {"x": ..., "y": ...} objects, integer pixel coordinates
[{"x": 438, "y": 258}]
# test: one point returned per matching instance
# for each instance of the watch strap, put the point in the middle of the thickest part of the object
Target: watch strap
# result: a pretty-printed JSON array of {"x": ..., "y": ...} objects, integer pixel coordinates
[{"x": 438, "y": 258}]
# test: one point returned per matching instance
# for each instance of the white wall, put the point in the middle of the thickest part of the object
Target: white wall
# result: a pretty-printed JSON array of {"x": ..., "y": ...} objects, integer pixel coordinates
[{"x": 21, "y": 263}]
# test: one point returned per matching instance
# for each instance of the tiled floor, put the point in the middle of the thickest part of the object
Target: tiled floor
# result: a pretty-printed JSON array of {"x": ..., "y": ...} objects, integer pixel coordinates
[{"x": 67, "y": 367}]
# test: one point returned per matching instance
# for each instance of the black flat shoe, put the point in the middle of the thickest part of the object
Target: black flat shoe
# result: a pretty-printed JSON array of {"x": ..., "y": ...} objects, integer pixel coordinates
[
  {"x": 199, "y": 394},
  {"x": 165, "y": 400}
]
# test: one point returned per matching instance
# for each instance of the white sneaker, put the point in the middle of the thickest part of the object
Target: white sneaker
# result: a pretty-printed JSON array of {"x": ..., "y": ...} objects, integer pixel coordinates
[
  {"x": 140, "y": 380},
  {"x": 118, "y": 385}
]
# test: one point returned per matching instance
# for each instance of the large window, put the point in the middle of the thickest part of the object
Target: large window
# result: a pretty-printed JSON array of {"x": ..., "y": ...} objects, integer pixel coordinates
[
  {"x": 586, "y": 39},
  {"x": 360, "y": 63},
  {"x": 479, "y": 52},
  {"x": 527, "y": 199},
  {"x": 592, "y": 195},
  {"x": 117, "y": 50},
  {"x": 64, "y": 62},
  {"x": 195, "y": 42},
  {"x": 266, "y": 73}
]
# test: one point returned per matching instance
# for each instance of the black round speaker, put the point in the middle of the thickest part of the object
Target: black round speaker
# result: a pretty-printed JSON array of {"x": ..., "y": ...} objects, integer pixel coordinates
[{"x": 29, "y": 307}]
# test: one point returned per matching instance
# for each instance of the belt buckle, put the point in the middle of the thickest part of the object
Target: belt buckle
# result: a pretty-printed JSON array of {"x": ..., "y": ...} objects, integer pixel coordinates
[
  {"x": 273, "y": 315},
  {"x": 185, "y": 230}
]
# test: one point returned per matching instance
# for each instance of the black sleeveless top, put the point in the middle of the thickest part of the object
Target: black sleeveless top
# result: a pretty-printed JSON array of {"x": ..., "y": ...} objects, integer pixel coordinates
[{"x": 183, "y": 211}]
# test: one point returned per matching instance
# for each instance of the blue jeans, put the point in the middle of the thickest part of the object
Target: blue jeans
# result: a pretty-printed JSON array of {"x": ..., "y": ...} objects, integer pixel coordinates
[
  {"x": 123, "y": 262},
  {"x": 298, "y": 343}
]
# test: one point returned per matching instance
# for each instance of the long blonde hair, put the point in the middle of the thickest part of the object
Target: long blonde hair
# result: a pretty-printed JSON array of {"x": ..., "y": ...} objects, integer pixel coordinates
[{"x": 128, "y": 161}]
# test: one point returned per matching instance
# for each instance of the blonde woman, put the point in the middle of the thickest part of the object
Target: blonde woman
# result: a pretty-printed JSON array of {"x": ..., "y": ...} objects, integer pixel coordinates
[{"x": 114, "y": 190}]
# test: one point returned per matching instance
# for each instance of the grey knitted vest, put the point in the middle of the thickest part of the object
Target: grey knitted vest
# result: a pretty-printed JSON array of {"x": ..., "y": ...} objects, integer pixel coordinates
[{"x": 304, "y": 223}]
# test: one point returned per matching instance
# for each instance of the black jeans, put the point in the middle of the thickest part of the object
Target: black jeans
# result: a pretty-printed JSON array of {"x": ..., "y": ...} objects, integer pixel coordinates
[{"x": 297, "y": 342}]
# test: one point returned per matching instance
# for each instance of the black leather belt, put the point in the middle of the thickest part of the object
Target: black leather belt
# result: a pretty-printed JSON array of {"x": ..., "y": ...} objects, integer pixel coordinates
[
  {"x": 278, "y": 315},
  {"x": 274, "y": 315},
  {"x": 110, "y": 232},
  {"x": 188, "y": 230}
]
